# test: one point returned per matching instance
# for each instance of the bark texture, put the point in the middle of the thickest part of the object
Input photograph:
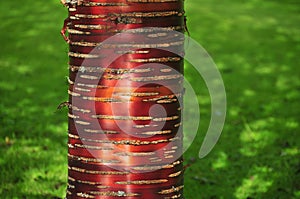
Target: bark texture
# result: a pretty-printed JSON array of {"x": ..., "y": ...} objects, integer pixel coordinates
[{"x": 134, "y": 154}]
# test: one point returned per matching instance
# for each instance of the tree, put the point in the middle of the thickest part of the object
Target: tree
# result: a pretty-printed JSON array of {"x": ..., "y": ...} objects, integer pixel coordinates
[{"x": 134, "y": 150}]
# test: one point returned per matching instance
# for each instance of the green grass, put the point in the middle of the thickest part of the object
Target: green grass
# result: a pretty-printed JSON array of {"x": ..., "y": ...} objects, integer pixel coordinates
[{"x": 254, "y": 43}]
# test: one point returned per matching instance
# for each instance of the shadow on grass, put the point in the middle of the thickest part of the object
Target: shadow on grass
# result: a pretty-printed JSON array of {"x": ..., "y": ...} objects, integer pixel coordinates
[{"x": 33, "y": 135}]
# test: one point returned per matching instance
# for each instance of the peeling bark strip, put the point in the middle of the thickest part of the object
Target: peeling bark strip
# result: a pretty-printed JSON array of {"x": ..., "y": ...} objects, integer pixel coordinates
[{"x": 143, "y": 160}]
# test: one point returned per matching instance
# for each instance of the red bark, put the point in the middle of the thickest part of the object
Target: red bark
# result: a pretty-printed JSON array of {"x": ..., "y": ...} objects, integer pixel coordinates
[{"x": 133, "y": 155}]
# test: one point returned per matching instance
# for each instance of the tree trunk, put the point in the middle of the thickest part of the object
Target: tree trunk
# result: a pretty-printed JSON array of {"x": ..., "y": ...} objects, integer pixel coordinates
[{"x": 125, "y": 99}]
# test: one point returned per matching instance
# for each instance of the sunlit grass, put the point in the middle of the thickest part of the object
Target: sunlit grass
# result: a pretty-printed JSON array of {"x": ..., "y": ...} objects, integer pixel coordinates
[
  {"x": 254, "y": 44},
  {"x": 258, "y": 182}
]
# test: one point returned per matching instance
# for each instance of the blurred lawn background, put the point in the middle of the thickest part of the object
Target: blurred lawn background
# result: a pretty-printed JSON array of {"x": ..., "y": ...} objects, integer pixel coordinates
[{"x": 255, "y": 45}]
